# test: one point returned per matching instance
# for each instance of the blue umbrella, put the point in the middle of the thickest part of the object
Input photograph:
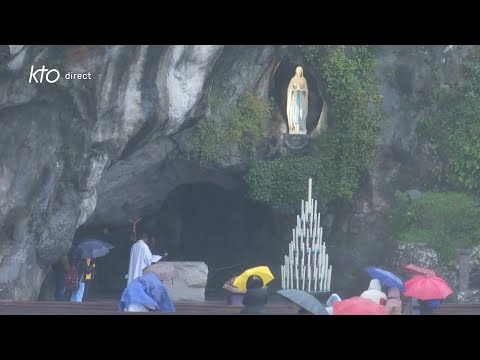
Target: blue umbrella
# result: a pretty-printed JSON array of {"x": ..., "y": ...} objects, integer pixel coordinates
[
  {"x": 92, "y": 249},
  {"x": 386, "y": 278}
]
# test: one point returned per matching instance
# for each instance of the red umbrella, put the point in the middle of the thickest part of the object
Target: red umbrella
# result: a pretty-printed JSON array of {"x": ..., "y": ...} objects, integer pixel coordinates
[
  {"x": 358, "y": 306},
  {"x": 419, "y": 270},
  {"x": 427, "y": 288}
]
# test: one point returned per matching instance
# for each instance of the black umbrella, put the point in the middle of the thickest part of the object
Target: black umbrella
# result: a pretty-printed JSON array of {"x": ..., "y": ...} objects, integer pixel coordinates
[
  {"x": 92, "y": 249},
  {"x": 305, "y": 300}
]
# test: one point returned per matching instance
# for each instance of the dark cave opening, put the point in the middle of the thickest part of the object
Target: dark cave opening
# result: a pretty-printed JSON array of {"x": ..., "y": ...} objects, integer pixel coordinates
[
  {"x": 196, "y": 222},
  {"x": 281, "y": 78}
]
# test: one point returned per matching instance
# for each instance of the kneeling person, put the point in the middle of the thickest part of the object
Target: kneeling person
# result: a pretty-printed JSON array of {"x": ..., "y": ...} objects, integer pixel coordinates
[{"x": 146, "y": 293}]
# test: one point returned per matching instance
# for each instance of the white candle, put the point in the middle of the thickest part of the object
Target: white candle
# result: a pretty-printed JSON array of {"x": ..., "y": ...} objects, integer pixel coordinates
[
  {"x": 309, "y": 274},
  {"x": 301, "y": 261},
  {"x": 329, "y": 278},
  {"x": 291, "y": 276},
  {"x": 303, "y": 256},
  {"x": 321, "y": 278},
  {"x": 303, "y": 227},
  {"x": 320, "y": 227},
  {"x": 296, "y": 240},
  {"x": 287, "y": 260},
  {"x": 315, "y": 211},
  {"x": 315, "y": 278},
  {"x": 297, "y": 276},
  {"x": 309, "y": 254},
  {"x": 319, "y": 260},
  {"x": 325, "y": 272},
  {"x": 324, "y": 252},
  {"x": 307, "y": 211},
  {"x": 311, "y": 216},
  {"x": 307, "y": 242},
  {"x": 297, "y": 256},
  {"x": 282, "y": 270},
  {"x": 303, "y": 278},
  {"x": 309, "y": 190},
  {"x": 302, "y": 214}
]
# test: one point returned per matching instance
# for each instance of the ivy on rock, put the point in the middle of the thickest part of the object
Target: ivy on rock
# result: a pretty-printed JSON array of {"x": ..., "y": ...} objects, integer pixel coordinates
[
  {"x": 229, "y": 132},
  {"x": 451, "y": 126}
]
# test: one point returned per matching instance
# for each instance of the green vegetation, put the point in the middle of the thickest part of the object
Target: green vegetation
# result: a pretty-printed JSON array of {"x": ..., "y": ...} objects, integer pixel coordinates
[
  {"x": 445, "y": 221},
  {"x": 338, "y": 157},
  {"x": 284, "y": 180},
  {"x": 452, "y": 127},
  {"x": 229, "y": 131}
]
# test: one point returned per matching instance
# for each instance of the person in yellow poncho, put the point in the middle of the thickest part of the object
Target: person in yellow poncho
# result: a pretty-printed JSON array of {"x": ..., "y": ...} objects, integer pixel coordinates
[{"x": 88, "y": 278}]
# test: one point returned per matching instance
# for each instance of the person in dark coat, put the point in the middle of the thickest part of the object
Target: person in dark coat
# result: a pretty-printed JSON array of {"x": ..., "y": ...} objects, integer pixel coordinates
[
  {"x": 427, "y": 306},
  {"x": 255, "y": 298}
]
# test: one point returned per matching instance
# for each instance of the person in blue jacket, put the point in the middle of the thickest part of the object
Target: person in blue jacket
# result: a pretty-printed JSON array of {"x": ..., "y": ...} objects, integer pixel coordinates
[
  {"x": 146, "y": 293},
  {"x": 427, "y": 306}
]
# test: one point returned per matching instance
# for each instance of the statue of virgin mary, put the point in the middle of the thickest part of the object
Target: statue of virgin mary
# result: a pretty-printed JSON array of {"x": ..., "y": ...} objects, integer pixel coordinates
[{"x": 297, "y": 103}]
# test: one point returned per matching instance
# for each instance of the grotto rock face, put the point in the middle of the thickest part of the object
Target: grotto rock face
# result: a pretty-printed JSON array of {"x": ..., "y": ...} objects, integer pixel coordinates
[
  {"x": 57, "y": 140},
  {"x": 97, "y": 151},
  {"x": 360, "y": 235}
]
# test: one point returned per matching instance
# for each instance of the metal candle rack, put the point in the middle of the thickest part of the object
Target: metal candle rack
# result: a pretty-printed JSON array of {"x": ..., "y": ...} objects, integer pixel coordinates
[{"x": 306, "y": 265}]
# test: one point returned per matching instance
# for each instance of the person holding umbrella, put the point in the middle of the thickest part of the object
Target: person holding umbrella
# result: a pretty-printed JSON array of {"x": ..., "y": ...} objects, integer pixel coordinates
[
  {"x": 90, "y": 266},
  {"x": 83, "y": 256},
  {"x": 235, "y": 295},
  {"x": 306, "y": 303},
  {"x": 429, "y": 290},
  {"x": 255, "y": 298},
  {"x": 394, "y": 303},
  {"x": 375, "y": 293},
  {"x": 75, "y": 279},
  {"x": 253, "y": 281}
]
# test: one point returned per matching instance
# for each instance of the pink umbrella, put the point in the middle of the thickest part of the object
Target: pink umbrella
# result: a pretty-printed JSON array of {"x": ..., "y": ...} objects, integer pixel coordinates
[
  {"x": 358, "y": 306},
  {"x": 418, "y": 270},
  {"x": 427, "y": 288}
]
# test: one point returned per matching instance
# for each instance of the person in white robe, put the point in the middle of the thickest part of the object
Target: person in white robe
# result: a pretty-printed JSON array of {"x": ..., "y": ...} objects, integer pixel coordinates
[
  {"x": 375, "y": 293},
  {"x": 140, "y": 258}
]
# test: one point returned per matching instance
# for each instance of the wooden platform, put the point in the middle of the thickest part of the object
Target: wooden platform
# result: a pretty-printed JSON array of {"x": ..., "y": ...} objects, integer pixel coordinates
[
  {"x": 183, "y": 308},
  {"x": 457, "y": 309},
  {"x": 111, "y": 308}
]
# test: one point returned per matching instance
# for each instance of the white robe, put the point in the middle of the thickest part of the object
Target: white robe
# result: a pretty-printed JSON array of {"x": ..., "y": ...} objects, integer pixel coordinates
[{"x": 140, "y": 258}]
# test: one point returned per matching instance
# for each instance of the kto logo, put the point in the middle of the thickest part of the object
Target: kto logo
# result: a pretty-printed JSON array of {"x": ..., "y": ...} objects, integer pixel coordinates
[{"x": 51, "y": 75}]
